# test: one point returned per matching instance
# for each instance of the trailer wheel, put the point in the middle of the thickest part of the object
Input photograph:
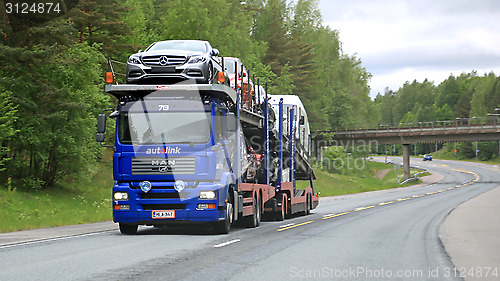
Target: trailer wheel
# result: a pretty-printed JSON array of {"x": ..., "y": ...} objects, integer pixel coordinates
[
  {"x": 280, "y": 215},
  {"x": 254, "y": 220},
  {"x": 308, "y": 205},
  {"x": 222, "y": 227},
  {"x": 128, "y": 228}
]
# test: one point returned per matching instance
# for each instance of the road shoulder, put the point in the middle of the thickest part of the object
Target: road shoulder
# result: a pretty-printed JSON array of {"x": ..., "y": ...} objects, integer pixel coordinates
[
  {"x": 35, "y": 235},
  {"x": 470, "y": 235}
]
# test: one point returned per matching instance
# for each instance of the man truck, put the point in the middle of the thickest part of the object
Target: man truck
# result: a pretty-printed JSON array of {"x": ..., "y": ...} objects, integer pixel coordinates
[{"x": 191, "y": 153}]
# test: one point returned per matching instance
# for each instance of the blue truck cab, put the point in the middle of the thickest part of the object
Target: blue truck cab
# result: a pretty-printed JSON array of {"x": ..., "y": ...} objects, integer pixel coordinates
[{"x": 173, "y": 157}]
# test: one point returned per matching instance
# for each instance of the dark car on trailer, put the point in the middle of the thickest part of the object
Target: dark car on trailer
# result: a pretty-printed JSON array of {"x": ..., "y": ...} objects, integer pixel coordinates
[{"x": 174, "y": 60}]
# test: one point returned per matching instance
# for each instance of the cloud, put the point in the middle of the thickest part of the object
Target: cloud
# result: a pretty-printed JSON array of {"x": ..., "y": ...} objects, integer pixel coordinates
[{"x": 400, "y": 41}]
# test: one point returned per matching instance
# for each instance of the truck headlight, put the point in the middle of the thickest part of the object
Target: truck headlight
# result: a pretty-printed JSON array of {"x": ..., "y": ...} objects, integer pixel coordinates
[
  {"x": 120, "y": 195},
  {"x": 207, "y": 195}
]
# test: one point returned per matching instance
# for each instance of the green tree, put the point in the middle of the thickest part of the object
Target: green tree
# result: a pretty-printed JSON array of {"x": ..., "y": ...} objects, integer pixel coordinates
[
  {"x": 8, "y": 117},
  {"x": 101, "y": 21},
  {"x": 59, "y": 103}
]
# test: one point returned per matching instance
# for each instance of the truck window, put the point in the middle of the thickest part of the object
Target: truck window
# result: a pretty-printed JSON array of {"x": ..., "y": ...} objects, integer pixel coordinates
[
  {"x": 164, "y": 127},
  {"x": 220, "y": 123}
]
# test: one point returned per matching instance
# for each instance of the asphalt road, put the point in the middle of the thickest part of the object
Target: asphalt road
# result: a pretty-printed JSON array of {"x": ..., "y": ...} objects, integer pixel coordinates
[{"x": 383, "y": 235}]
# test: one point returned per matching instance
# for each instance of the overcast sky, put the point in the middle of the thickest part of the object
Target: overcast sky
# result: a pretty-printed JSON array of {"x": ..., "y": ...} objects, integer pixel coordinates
[{"x": 399, "y": 41}]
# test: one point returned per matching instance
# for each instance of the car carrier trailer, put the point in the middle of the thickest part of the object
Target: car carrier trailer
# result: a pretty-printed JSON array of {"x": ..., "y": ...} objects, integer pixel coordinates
[{"x": 190, "y": 153}]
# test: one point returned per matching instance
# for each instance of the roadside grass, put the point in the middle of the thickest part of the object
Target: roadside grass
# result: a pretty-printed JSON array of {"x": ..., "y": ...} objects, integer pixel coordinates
[
  {"x": 357, "y": 180},
  {"x": 64, "y": 204},
  {"x": 445, "y": 154}
]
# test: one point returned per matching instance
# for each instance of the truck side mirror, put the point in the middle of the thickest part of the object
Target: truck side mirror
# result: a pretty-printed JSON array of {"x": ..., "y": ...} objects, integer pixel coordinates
[
  {"x": 302, "y": 120},
  {"x": 101, "y": 123},
  {"x": 100, "y": 137},
  {"x": 215, "y": 52},
  {"x": 231, "y": 122},
  {"x": 101, "y": 126}
]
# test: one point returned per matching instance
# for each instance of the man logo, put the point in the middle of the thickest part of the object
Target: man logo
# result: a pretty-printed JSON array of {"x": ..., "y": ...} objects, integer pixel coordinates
[
  {"x": 164, "y": 166},
  {"x": 166, "y": 162},
  {"x": 164, "y": 169}
]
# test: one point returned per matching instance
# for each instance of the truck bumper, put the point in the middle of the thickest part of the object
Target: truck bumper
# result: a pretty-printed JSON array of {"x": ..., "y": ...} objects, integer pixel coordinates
[
  {"x": 181, "y": 207},
  {"x": 141, "y": 217}
]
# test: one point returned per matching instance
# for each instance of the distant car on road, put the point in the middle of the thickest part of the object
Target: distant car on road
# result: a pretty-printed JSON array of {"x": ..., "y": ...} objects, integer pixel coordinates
[
  {"x": 427, "y": 157},
  {"x": 171, "y": 60}
]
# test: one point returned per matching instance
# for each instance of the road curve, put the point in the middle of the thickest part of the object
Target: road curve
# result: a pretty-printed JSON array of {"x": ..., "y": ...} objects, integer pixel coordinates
[{"x": 382, "y": 235}]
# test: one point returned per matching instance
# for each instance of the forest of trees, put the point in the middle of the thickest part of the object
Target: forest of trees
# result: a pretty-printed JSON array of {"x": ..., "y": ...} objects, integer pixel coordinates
[{"x": 52, "y": 75}]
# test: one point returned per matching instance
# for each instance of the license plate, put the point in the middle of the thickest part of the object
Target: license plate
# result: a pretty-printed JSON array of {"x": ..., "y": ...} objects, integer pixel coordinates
[
  {"x": 162, "y": 69},
  {"x": 163, "y": 214}
]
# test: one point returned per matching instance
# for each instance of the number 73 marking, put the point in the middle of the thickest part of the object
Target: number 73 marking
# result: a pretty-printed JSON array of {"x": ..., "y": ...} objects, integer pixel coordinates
[{"x": 163, "y": 107}]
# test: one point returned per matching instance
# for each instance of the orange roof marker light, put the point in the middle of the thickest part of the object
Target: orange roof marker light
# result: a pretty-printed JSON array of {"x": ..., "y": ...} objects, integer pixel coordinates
[{"x": 109, "y": 77}]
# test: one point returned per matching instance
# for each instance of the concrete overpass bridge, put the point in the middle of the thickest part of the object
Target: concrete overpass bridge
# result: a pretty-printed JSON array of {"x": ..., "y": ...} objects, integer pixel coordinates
[{"x": 459, "y": 130}]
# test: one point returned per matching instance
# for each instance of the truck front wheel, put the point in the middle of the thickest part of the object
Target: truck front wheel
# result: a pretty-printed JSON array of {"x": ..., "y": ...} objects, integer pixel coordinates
[
  {"x": 128, "y": 228},
  {"x": 222, "y": 227}
]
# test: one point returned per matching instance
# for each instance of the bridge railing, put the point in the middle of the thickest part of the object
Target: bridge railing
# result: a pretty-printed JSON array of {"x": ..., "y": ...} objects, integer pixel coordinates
[{"x": 458, "y": 125}]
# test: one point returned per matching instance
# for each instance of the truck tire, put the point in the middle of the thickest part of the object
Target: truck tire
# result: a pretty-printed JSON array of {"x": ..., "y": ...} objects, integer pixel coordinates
[
  {"x": 280, "y": 215},
  {"x": 223, "y": 227},
  {"x": 254, "y": 220},
  {"x": 128, "y": 228},
  {"x": 308, "y": 205}
]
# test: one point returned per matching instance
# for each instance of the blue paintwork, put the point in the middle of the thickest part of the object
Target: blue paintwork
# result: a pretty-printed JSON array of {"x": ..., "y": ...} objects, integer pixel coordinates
[{"x": 212, "y": 173}]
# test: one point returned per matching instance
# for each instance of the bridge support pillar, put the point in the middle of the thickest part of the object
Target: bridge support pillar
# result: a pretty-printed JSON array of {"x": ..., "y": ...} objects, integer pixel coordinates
[{"x": 406, "y": 161}]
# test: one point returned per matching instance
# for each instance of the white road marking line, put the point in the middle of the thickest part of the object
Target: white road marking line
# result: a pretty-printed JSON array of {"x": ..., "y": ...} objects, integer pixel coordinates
[
  {"x": 227, "y": 243},
  {"x": 287, "y": 225},
  {"x": 46, "y": 240}
]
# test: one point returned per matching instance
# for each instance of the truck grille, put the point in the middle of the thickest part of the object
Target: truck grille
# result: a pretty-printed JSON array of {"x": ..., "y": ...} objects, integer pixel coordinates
[
  {"x": 171, "y": 60},
  {"x": 164, "y": 166}
]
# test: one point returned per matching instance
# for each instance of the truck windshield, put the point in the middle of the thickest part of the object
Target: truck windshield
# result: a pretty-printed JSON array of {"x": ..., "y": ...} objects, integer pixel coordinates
[{"x": 164, "y": 127}]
